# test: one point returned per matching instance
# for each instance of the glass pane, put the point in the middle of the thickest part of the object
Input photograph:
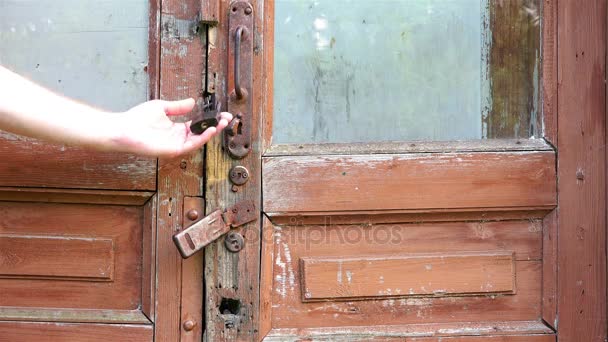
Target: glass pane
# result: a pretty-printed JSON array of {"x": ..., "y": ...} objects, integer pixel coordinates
[
  {"x": 91, "y": 50},
  {"x": 394, "y": 70}
]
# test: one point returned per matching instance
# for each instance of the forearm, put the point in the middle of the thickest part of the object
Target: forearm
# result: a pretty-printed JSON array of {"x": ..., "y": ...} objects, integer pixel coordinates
[{"x": 31, "y": 110}]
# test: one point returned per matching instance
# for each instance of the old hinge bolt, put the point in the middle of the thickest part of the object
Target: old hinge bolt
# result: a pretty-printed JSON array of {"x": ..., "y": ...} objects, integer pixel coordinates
[
  {"x": 189, "y": 325},
  {"x": 192, "y": 215}
]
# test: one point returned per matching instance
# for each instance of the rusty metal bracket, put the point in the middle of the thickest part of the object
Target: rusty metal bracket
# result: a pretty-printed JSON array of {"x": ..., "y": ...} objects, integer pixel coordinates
[
  {"x": 210, "y": 228},
  {"x": 237, "y": 141}
]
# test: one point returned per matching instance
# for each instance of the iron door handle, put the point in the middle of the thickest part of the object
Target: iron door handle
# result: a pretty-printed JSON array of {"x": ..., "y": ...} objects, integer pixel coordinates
[{"x": 239, "y": 91}]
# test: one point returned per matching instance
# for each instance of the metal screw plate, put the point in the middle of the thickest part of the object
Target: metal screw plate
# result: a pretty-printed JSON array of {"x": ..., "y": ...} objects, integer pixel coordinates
[
  {"x": 234, "y": 242},
  {"x": 239, "y": 175}
]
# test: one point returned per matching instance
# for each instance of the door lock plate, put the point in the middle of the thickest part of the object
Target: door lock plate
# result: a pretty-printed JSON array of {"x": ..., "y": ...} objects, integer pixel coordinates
[{"x": 210, "y": 228}]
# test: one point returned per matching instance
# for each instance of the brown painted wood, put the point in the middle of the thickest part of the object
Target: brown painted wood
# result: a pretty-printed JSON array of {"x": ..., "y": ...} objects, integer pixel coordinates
[
  {"x": 119, "y": 224},
  {"x": 181, "y": 69},
  {"x": 32, "y": 163},
  {"x": 290, "y": 243},
  {"x": 57, "y": 257},
  {"x": 192, "y": 284},
  {"x": 352, "y": 277},
  {"x": 582, "y": 171},
  {"x": 489, "y": 145},
  {"x": 459, "y": 180},
  {"x": 73, "y": 315},
  {"x": 521, "y": 338},
  {"x": 117, "y": 197},
  {"x": 234, "y": 275},
  {"x": 514, "y": 57},
  {"x": 148, "y": 283},
  {"x": 433, "y": 331},
  {"x": 66, "y": 332},
  {"x": 210, "y": 12},
  {"x": 550, "y": 269}
]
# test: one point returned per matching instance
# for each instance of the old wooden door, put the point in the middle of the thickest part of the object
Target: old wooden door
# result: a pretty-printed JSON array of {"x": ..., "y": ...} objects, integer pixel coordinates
[
  {"x": 404, "y": 157},
  {"x": 82, "y": 257}
]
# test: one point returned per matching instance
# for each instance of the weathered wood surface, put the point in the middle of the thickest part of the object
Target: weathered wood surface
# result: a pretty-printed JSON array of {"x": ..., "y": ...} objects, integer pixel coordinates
[
  {"x": 181, "y": 59},
  {"x": 72, "y": 332},
  {"x": 42, "y": 195},
  {"x": 26, "y": 162},
  {"x": 290, "y": 243},
  {"x": 549, "y": 71},
  {"x": 234, "y": 275},
  {"x": 56, "y": 257},
  {"x": 514, "y": 64},
  {"x": 582, "y": 170},
  {"x": 517, "y": 331},
  {"x": 352, "y": 277},
  {"x": 58, "y": 223},
  {"x": 73, "y": 315},
  {"x": 408, "y": 182}
]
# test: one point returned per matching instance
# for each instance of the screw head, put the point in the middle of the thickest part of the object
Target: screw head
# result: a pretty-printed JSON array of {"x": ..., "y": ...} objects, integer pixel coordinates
[
  {"x": 192, "y": 214},
  {"x": 189, "y": 325},
  {"x": 248, "y": 10},
  {"x": 234, "y": 242}
]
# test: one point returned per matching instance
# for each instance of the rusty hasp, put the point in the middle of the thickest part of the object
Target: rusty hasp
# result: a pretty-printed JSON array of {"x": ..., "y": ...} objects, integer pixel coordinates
[
  {"x": 213, "y": 226},
  {"x": 207, "y": 117}
]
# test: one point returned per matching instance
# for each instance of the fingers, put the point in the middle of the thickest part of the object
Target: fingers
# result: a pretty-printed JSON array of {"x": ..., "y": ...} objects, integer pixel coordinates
[
  {"x": 178, "y": 107},
  {"x": 197, "y": 141}
]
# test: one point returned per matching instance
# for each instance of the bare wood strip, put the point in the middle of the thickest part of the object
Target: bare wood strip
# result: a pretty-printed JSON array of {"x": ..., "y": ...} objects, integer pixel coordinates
[
  {"x": 549, "y": 71},
  {"x": 415, "y": 275},
  {"x": 181, "y": 69},
  {"x": 73, "y": 315},
  {"x": 31, "y": 163},
  {"x": 488, "y": 145},
  {"x": 60, "y": 257},
  {"x": 74, "y": 196},
  {"x": 500, "y": 329},
  {"x": 582, "y": 170},
  {"x": 430, "y": 181},
  {"x": 234, "y": 275},
  {"x": 68, "y": 332}
]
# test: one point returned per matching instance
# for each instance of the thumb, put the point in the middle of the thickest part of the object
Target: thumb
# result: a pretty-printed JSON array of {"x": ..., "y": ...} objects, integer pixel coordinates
[{"x": 178, "y": 107}]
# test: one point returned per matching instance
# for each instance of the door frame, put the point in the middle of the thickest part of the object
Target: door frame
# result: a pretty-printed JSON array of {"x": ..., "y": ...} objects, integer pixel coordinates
[{"x": 574, "y": 62}]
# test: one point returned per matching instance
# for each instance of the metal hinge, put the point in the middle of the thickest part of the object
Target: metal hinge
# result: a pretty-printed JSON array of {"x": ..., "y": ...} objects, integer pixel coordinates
[{"x": 213, "y": 226}]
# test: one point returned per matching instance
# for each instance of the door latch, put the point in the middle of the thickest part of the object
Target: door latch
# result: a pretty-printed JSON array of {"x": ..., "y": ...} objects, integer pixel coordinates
[
  {"x": 207, "y": 117},
  {"x": 210, "y": 228}
]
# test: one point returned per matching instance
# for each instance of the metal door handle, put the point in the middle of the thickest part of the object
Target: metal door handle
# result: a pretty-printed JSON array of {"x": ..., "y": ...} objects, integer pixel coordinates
[{"x": 238, "y": 36}]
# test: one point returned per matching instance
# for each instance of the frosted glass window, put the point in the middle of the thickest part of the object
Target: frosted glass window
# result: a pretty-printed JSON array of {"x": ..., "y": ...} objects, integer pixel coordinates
[{"x": 394, "y": 70}]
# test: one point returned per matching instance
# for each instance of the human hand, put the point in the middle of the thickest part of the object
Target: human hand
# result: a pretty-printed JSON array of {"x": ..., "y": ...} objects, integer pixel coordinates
[{"x": 146, "y": 129}]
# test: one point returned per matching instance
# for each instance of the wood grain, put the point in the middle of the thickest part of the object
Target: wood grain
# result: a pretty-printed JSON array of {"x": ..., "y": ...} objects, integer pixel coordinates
[
  {"x": 419, "y": 275},
  {"x": 429, "y": 181},
  {"x": 290, "y": 243},
  {"x": 517, "y": 331},
  {"x": 56, "y": 257},
  {"x": 32, "y": 163},
  {"x": 181, "y": 76},
  {"x": 116, "y": 197},
  {"x": 192, "y": 291},
  {"x": 148, "y": 282},
  {"x": 514, "y": 61},
  {"x": 549, "y": 71},
  {"x": 68, "y": 332},
  {"x": 234, "y": 275},
  {"x": 120, "y": 224},
  {"x": 582, "y": 171}
]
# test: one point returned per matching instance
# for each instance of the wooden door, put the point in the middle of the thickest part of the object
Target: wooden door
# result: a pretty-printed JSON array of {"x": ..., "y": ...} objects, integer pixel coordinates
[
  {"x": 85, "y": 237},
  {"x": 404, "y": 155}
]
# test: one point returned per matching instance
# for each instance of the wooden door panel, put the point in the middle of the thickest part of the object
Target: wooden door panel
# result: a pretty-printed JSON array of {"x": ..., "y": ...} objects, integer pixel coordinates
[
  {"x": 70, "y": 256},
  {"x": 392, "y": 304},
  {"x": 352, "y": 278},
  {"x": 66, "y": 332},
  {"x": 409, "y": 181},
  {"x": 31, "y": 163}
]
